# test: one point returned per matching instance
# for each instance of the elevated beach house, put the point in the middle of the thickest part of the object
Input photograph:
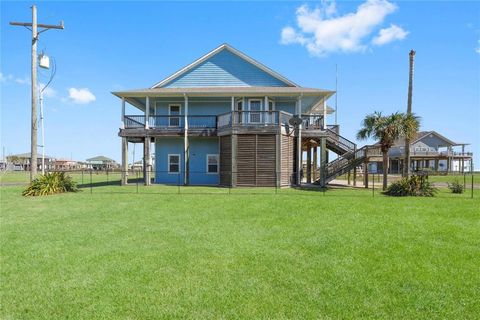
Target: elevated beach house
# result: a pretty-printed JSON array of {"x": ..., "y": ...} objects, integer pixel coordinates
[
  {"x": 431, "y": 151},
  {"x": 226, "y": 119}
]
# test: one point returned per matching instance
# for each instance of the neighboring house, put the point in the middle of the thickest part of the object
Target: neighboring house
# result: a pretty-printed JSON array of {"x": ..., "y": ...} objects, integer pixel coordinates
[
  {"x": 65, "y": 165},
  {"x": 228, "y": 120},
  {"x": 101, "y": 163},
  {"x": 429, "y": 151},
  {"x": 21, "y": 162}
]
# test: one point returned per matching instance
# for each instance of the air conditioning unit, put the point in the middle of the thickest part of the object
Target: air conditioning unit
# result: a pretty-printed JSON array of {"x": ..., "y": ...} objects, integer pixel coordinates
[{"x": 44, "y": 61}]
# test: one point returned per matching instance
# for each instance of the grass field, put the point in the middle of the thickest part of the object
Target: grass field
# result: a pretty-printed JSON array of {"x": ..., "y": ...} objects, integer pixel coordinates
[{"x": 297, "y": 254}]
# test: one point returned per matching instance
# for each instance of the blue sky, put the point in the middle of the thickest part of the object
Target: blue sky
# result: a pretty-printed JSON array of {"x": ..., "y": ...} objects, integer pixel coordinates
[{"x": 108, "y": 46}]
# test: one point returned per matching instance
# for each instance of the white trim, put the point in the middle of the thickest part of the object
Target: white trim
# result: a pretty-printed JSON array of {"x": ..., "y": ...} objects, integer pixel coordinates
[
  {"x": 179, "y": 163},
  {"x": 216, "y": 155},
  {"x": 214, "y": 52}
]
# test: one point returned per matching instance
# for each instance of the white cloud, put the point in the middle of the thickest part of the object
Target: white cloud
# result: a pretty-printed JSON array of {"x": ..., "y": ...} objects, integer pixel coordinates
[
  {"x": 81, "y": 96},
  {"x": 389, "y": 34},
  {"x": 22, "y": 80},
  {"x": 322, "y": 31},
  {"x": 4, "y": 78},
  {"x": 48, "y": 92}
]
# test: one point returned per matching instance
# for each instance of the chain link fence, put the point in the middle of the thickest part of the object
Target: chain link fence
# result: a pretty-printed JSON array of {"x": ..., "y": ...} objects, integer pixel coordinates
[{"x": 262, "y": 182}]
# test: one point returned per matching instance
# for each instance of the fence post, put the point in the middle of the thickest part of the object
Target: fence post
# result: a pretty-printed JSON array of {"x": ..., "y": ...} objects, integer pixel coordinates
[
  {"x": 472, "y": 187},
  {"x": 82, "y": 176},
  {"x": 137, "y": 178},
  {"x": 107, "y": 176},
  {"x": 464, "y": 180},
  {"x": 91, "y": 186},
  {"x": 178, "y": 182}
]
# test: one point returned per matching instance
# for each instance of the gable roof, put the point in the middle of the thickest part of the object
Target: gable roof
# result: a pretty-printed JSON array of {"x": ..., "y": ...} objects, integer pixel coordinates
[
  {"x": 214, "y": 52},
  {"x": 423, "y": 134},
  {"x": 100, "y": 158}
]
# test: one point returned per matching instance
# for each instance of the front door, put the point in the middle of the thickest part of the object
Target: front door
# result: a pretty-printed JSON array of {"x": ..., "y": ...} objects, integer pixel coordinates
[{"x": 255, "y": 105}]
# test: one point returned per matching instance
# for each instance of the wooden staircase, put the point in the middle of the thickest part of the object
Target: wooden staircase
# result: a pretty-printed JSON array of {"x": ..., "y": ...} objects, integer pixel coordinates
[{"x": 349, "y": 156}]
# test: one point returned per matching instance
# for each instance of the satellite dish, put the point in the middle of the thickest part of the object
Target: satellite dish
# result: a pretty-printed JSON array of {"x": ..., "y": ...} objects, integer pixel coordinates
[{"x": 295, "y": 121}]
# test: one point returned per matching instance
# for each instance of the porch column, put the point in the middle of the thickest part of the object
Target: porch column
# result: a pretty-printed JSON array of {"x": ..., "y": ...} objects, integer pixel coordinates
[
  {"x": 124, "y": 179},
  {"x": 122, "y": 120},
  {"x": 315, "y": 163},
  {"x": 309, "y": 163},
  {"x": 186, "y": 144},
  {"x": 147, "y": 111},
  {"x": 233, "y": 103},
  {"x": 146, "y": 161},
  {"x": 299, "y": 142},
  {"x": 436, "y": 165}
]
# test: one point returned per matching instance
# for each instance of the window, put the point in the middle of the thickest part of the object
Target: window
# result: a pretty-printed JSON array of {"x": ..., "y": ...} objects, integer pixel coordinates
[
  {"x": 174, "y": 110},
  {"x": 212, "y": 163},
  {"x": 173, "y": 163}
]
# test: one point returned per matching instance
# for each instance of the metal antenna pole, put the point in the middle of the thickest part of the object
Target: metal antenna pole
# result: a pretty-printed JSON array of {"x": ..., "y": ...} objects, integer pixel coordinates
[
  {"x": 336, "y": 93},
  {"x": 43, "y": 132},
  {"x": 34, "y": 27}
]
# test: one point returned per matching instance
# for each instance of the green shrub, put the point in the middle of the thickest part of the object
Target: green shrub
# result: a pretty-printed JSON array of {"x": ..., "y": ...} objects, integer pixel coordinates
[
  {"x": 417, "y": 186},
  {"x": 455, "y": 186},
  {"x": 51, "y": 183}
]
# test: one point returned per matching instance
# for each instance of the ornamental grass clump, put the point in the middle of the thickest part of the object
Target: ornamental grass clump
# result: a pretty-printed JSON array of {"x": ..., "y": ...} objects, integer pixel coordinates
[
  {"x": 51, "y": 183},
  {"x": 416, "y": 186},
  {"x": 455, "y": 186}
]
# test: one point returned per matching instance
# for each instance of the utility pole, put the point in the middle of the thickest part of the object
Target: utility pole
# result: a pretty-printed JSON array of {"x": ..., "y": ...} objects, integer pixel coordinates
[
  {"x": 33, "y": 26},
  {"x": 406, "y": 164}
]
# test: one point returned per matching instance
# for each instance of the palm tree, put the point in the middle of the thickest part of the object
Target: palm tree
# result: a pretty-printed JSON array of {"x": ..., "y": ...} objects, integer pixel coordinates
[{"x": 387, "y": 129}]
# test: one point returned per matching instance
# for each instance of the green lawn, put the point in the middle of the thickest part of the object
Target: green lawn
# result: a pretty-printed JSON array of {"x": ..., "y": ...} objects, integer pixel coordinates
[{"x": 296, "y": 254}]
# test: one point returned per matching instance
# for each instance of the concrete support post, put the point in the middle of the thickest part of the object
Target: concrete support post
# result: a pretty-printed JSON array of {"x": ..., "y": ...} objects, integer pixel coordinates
[
  {"x": 365, "y": 173},
  {"x": 147, "y": 167},
  {"x": 309, "y": 163},
  {"x": 315, "y": 163},
  {"x": 355, "y": 176},
  {"x": 124, "y": 180},
  {"x": 323, "y": 161}
]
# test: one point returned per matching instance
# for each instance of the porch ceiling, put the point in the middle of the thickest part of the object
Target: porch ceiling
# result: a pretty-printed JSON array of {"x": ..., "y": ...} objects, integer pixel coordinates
[{"x": 311, "y": 98}]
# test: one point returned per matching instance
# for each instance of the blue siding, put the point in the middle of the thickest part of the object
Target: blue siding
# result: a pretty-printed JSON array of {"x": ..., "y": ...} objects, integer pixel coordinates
[
  {"x": 163, "y": 147},
  {"x": 225, "y": 69},
  {"x": 199, "y": 148}
]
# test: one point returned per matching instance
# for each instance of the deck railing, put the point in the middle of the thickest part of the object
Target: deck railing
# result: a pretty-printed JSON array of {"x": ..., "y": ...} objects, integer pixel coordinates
[
  {"x": 171, "y": 121},
  {"x": 252, "y": 118},
  {"x": 312, "y": 122}
]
